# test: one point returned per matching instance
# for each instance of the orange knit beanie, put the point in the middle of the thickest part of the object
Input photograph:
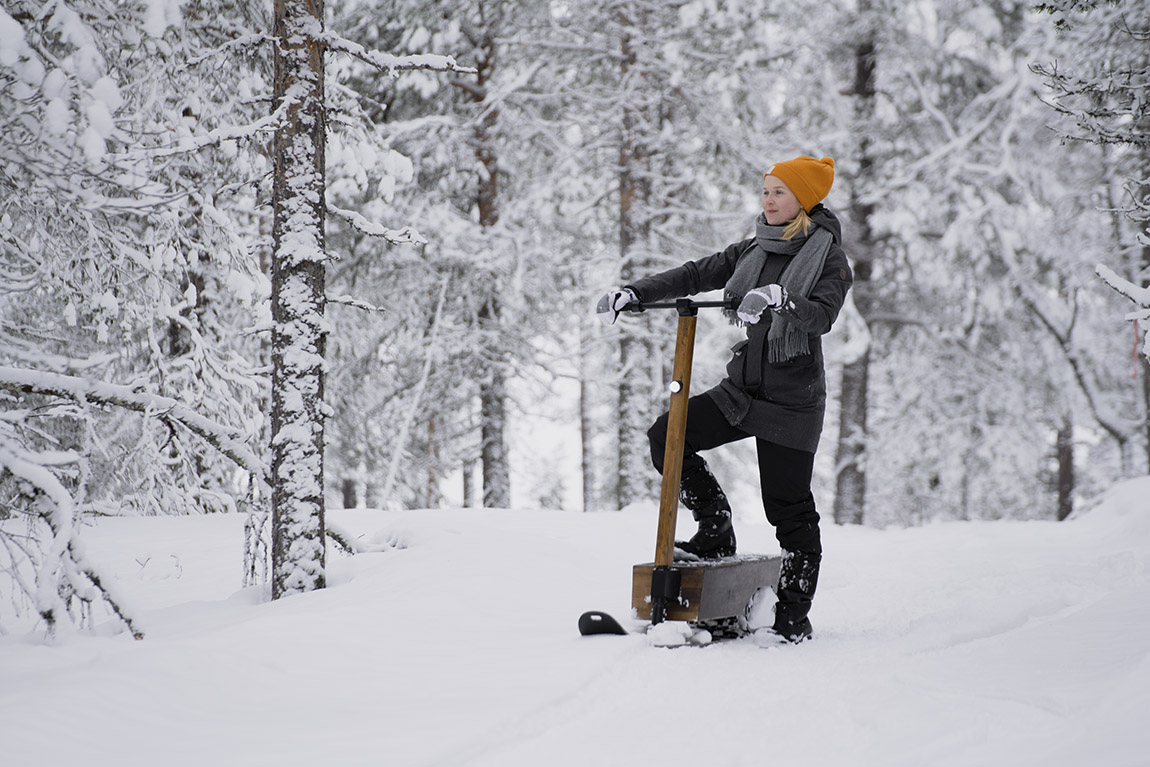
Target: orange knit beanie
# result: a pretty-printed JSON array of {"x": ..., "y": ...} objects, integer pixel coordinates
[{"x": 808, "y": 178}]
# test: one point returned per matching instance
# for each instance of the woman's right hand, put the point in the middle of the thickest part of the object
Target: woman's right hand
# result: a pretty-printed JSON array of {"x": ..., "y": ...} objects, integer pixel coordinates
[{"x": 613, "y": 302}]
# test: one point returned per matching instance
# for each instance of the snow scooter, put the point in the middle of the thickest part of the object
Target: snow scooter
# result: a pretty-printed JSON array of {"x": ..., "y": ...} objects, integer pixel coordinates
[{"x": 711, "y": 595}]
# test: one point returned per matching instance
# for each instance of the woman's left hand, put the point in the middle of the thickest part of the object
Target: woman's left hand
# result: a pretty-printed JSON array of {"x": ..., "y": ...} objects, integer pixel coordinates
[{"x": 759, "y": 300}]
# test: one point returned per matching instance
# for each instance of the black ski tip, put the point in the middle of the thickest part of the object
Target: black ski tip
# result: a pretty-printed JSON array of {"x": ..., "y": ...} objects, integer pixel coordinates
[{"x": 595, "y": 622}]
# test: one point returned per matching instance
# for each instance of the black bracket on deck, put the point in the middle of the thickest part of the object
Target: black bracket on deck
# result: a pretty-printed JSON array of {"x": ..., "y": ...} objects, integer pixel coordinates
[{"x": 666, "y": 588}]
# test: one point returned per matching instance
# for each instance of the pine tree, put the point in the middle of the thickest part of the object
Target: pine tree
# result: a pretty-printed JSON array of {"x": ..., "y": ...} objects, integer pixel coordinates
[
  {"x": 299, "y": 294},
  {"x": 298, "y": 297}
]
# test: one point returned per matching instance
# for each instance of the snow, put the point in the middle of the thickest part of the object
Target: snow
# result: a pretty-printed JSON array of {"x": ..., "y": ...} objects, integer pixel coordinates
[
  {"x": 160, "y": 15},
  {"x": 106, "y": 92},
  {"x": 93, "y": 146},
  {"x": 963, "y": 643},
  {"x": 677, "y": 634},
  {"x": 12, "y": 43}
]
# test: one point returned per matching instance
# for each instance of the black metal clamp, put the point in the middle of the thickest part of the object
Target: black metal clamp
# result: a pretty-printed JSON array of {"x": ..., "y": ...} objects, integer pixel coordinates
[{"x": 666, "y": 589}]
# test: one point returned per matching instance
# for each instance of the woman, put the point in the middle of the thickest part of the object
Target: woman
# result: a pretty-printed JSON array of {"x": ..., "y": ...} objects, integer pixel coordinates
[{"x": 775, "y": 389}]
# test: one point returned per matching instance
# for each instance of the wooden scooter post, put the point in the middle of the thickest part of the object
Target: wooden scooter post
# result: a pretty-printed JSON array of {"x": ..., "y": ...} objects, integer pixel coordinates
[{"x": 666, "y": 580}]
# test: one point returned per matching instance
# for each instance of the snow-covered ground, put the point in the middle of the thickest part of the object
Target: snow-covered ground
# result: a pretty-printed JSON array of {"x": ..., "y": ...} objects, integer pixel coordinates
[{"x": 974, "y": 644}]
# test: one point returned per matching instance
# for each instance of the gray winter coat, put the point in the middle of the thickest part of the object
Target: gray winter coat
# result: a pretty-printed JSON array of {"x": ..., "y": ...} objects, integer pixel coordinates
[{"x": 781, "y": 402}]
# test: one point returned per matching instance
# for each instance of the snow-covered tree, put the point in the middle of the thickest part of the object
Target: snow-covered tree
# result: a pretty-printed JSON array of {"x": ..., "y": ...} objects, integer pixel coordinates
[
  {"x": 481, "y": 185},
  {"x": 862, "y": 163},
  {"x": 127, "y": 280},
  {"x": 299, "y": 293},
  {"x": 298, "y": 297},
  {"x": 133, "y": 151},
  {"x": 1098, "y": 74},
  {"x": 401, "y": 390},
  {"x": 670, "y": 140}
]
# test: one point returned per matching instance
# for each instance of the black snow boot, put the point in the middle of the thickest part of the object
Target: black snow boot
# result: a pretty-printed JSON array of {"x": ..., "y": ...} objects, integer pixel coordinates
[
  {"x": 798, "y": 577},
  {"x": 700, "y": 492}
]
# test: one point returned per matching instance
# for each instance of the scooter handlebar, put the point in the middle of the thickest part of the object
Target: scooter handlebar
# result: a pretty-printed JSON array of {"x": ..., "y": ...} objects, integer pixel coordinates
[{"x": 683, "y": 305}]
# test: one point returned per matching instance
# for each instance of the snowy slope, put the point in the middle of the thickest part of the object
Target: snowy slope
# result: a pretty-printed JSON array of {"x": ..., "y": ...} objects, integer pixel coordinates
[{"x": 953, "y": 644}]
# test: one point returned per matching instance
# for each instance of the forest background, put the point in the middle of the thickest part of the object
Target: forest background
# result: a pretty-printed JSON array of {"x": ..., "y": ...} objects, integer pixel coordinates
[{"x": 481, "y": 172}]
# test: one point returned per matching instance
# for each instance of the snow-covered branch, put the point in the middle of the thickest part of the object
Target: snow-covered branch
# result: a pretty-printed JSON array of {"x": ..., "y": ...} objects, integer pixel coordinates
[
  {"x": 190, "y": 144},
  {"x": 1140, "y": 296},
  {"x": 27, "y": 353},
  {"x": 1062, "y": 332},
  {"x": 354, "y": 303},
  {"x": 63, "y": 572},
  {"x": 239, "y": 44},
  {"x": 353, "y": 544},
  {"x": 958, "y": 143},
  {"x": 227, "y": 440},
  {"x": 389, "y": 63},
  {"x": 404, "y": 236}
]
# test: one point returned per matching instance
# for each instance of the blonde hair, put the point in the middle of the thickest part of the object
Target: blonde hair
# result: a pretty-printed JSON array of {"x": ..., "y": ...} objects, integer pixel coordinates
[{"x": 800, "y": 224}]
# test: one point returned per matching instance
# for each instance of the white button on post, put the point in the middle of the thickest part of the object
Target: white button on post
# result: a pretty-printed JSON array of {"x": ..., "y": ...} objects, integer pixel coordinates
[{"x": 676, "y": 387}]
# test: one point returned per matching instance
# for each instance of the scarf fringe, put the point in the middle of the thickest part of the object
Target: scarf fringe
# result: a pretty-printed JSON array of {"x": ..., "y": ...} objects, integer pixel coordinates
[{"x": 793, "y": 343}]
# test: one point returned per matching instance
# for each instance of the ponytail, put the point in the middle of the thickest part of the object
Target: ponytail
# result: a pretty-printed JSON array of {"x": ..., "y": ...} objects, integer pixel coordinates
[{"x": 800, "y": 224}]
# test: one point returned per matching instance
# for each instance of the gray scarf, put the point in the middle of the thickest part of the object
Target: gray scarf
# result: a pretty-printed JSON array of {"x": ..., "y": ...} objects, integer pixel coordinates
[{"x": 784, "y": 340}]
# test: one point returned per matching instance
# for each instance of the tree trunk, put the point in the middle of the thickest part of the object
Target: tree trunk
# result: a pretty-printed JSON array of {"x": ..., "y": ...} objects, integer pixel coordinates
[
  {"x": 1144, "y": 371},
  {"x": 496, "y": 479},
  {"x": 1126, "y": 239},
  {"x": 1143, "y": 267},
  {"x": 298, "y": 342},
  {"x": 468, "y": 484},
  {"x": 850, "y": 481},
  {"x": 432, "y": 500},
  {"x": 586, "y": 431},
  {"x": 634, "y": 418},
  {"x": 493, "y": 385},
  {"x": 634, "y": 467},
  {"x": 850, "y": 457},
  {"x": 1065, "y": 449}
]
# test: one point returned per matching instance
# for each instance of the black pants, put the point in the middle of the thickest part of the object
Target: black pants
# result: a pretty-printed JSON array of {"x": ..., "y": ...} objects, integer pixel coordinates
[{"x": 784, "y": 473}]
